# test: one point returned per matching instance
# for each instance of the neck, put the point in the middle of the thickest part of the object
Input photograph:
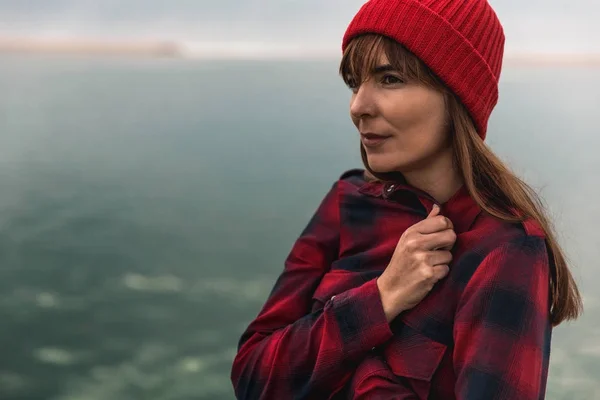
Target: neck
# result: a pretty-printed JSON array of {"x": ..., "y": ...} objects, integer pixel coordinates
[{"x": 440, "y": 179}]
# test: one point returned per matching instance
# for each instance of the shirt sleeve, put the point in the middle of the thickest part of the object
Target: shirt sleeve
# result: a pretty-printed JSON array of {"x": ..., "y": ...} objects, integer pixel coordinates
[
  {"x": 289, "y": 351},
  {"x": 502, "y": 326}
]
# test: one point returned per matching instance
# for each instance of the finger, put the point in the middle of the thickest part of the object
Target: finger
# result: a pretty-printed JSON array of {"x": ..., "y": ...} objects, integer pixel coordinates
[
  {"x": 438, "y": 240},
  {"x": 433, "y": 224},
  {"x": 446, "y": 248},
  {"x": 440, "y": 271},
  {"x": 438, "y": 257}
]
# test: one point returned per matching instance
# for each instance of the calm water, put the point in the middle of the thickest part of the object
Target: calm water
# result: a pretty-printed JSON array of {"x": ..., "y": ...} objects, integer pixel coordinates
[{"x": 147, "y": 208}]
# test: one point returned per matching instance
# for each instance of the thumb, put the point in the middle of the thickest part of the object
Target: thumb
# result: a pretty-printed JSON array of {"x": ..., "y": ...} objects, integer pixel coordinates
[{"x": 434, "y": 211}]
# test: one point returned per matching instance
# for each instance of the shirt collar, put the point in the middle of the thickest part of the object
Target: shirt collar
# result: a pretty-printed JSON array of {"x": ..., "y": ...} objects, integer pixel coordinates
[{"x": 461, "y": 209}]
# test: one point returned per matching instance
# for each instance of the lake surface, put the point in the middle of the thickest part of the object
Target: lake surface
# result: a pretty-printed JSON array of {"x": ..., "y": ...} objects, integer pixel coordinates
[{"x": 148, "y": 205}]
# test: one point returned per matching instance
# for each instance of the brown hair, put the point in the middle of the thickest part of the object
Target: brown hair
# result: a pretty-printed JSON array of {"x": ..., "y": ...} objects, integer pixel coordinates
[{"x": 493, "y": 186}]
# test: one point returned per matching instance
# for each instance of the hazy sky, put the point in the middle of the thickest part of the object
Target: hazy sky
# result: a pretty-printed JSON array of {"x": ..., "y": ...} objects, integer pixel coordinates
[{"x": 315, "y": 25}]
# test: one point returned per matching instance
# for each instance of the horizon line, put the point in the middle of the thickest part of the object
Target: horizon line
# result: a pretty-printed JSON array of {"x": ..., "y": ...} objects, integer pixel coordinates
[{"x": 235, "y": 50}]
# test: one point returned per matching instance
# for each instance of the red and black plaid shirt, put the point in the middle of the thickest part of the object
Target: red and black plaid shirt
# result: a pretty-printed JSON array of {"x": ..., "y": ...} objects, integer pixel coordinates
[{"x": 483, "y": 333}]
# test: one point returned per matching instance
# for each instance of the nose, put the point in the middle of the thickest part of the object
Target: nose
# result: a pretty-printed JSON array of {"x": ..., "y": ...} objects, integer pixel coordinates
[{"x": 362, "y": 103}]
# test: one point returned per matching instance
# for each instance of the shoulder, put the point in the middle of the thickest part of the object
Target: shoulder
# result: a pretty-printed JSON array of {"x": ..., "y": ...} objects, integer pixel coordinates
[
  {"x": 510, "y": 255},
  {"x": 513, "y": 239},
  {"x": 524, "y": 244},
  {"x": 517, "y": 269},
  {"x": 494, "y": 232},
  {"x": 355, "y": 177},
  {"x": 353, "y": 184},
  {"x": 349, "y": 181},
  {"x": 505, "y": 245}
]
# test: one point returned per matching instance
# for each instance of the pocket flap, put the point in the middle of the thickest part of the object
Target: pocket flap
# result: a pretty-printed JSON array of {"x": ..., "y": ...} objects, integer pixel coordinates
[{"x": 413, "y": 355}]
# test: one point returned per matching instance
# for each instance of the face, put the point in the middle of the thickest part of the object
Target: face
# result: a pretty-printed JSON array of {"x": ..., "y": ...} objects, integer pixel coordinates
[{"x": 403, "y": 125}]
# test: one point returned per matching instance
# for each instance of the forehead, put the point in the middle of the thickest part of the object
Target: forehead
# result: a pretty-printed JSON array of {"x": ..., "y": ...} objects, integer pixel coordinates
[
  {"x": 381, "y": 59},
  {"x": 371, "y": 55},
  {"x": 368, "y": 62}
]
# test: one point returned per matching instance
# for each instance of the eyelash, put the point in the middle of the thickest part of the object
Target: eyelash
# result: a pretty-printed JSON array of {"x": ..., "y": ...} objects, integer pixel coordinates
[{"x": 395, "y": 80}]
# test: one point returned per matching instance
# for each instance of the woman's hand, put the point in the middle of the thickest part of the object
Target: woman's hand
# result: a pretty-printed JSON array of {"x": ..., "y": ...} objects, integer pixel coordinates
[{"x": 419, "y": 261}]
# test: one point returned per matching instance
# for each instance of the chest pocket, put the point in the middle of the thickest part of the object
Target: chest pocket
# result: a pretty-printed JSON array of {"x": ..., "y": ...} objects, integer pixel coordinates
[
  {"x": 333, "y": 283},
  {"x": 414, "y": 358}
]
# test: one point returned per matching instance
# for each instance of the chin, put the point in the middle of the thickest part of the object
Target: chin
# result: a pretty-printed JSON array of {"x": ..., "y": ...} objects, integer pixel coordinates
[{"x": 380, "y": 165}]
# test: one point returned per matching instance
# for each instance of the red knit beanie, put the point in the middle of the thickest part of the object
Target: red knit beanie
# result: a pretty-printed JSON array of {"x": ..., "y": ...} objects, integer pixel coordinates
[{"x": 461, "y": 41}]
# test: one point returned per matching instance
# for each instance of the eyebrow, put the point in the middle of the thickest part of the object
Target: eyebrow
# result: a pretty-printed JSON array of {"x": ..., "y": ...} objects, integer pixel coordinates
[{"x": 383, "y": 68}]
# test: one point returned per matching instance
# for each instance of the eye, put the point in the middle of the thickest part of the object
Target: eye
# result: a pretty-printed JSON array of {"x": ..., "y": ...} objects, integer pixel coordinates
[{"x": 391, "y": 80}]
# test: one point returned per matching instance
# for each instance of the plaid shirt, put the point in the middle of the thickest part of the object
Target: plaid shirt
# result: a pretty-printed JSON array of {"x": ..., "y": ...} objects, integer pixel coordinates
[{"x": 483, "y": 333}]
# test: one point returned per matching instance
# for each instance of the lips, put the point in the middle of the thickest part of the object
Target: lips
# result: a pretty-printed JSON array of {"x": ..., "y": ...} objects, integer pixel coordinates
[
  {"x": 373, "y": 139},
  {"x": 373, "y": 136}
]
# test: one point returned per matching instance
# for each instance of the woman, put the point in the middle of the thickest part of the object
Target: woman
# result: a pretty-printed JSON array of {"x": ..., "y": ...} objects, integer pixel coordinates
[{"x": 433, "y": 273}]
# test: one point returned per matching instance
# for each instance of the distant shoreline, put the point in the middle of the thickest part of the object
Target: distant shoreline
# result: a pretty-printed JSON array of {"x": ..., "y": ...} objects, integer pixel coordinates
[
  {"x": 557, "y": 59},
  {"x": 90, "y": 47},
  {"x": 172, "y": 49}
]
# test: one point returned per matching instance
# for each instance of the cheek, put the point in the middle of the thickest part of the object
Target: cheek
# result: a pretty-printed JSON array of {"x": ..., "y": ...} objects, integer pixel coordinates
[
  {"x": 433, "y": 106},
  {"x": 422, "y": 112},
  {"x": 420, "y": 124},
  {"x": 403, "y": 110}
]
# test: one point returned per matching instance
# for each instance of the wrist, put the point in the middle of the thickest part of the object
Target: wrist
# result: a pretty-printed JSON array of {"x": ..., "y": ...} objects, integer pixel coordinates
[{"x": 390, "y": 308}]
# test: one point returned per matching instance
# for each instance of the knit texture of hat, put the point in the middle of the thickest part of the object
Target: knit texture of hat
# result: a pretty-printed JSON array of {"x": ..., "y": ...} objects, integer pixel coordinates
[{"x": 461, "y": 41}]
